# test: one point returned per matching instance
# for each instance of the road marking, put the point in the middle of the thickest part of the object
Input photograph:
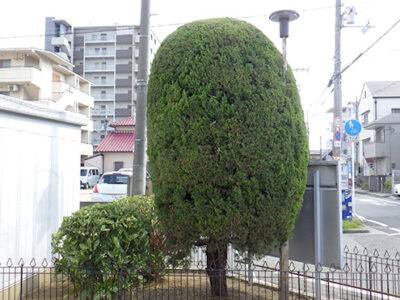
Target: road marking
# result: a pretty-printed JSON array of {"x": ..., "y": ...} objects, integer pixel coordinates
[
  {"x": 394, "y": 229},
  {"x": 364, "y": 219}
]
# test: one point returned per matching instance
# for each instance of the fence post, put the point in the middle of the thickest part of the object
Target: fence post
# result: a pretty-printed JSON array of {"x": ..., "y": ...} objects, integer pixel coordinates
[
  {"x": 284, "y": 271},
  {"x": 120, "y": 283},
  {"x": 250, "y": 268},
  {"x": 317, "y": 235},
  {"x": 22, "y": 277}
]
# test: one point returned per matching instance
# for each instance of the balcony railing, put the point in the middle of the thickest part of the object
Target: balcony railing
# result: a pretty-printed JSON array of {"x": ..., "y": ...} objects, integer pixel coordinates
[
  {"x": 108, "y": 38},
  {"x": 99, "y": 68},
  {"x": 103, "y": 82},
  {"x": 103, "y": 96},
  {"x": 99, "y": 53},
  {"x": 102, "y": 112},
  {"x": 377, "y": 149}
]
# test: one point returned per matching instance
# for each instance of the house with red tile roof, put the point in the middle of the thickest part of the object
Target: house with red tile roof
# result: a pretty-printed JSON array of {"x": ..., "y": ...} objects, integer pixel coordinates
[{"x": 116, "y": 149}]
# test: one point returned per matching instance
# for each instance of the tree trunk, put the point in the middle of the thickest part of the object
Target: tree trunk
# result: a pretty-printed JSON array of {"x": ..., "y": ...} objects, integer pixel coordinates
[{"x": 216, "y": 269}]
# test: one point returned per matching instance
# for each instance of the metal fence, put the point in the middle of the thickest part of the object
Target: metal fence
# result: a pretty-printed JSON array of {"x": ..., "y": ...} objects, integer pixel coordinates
[{"x": 365, "y": 275}]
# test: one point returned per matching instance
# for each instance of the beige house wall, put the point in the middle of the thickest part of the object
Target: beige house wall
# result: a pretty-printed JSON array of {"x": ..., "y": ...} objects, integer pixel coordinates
[{"x": 110, "y": 158}]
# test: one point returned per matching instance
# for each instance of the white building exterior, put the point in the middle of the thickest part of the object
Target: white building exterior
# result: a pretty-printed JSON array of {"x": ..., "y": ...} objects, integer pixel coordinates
[
  {"x": 45, "y": 78},
  {"x": 379, "y": 99},
  {"x": 39, "y": 176}
]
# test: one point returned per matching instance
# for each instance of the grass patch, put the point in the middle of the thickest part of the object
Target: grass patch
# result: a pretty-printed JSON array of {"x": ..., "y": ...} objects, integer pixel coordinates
[{"x": 351, "y": 224}]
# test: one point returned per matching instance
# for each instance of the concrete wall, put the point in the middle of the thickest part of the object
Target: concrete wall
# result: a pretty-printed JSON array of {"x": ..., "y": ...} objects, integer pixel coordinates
[
  {"x": 110, "y": 158},
  {"x": 39, "y": 176}
]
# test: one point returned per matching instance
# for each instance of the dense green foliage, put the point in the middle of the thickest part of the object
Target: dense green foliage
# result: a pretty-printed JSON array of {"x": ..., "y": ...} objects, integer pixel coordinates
[
  {"x": 226, "y": 138},
  {"x": 388, "y": 186},
  {"x": 101, "y": 244}
]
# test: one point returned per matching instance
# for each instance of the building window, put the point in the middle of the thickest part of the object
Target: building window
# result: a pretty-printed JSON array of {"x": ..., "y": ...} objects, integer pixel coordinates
[
  {"x": 104, "y": 51},
  {"x": 103, "y": 107},
  {"x": 103, "y": 36},
  {"x": 118, "y": 165},
  {"x": 364, "y": 117},
  {"x": 96, "y": 51},
  {"x": 5, "y": 63},
  {"x": 104, "y": 65},
  {"x": 395, "y": 110}
]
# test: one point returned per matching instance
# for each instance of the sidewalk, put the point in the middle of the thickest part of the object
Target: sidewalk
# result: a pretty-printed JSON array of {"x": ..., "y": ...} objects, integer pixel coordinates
[{"x": 378, "y": 194}]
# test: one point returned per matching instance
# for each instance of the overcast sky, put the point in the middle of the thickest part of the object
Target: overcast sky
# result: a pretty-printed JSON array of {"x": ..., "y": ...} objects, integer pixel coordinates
[{"x": 310, "y": 45}]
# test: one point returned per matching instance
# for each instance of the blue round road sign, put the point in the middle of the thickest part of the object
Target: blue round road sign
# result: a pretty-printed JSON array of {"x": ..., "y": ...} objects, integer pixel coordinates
[{"x": 352, "y": 127}]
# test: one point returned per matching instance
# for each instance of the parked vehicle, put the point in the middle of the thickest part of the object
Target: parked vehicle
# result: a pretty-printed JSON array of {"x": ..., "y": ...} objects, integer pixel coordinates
[
  {"x": 396, "y": 189},
  {"x": 111, "y": 186},
  {"x": 89, "y": 176}
]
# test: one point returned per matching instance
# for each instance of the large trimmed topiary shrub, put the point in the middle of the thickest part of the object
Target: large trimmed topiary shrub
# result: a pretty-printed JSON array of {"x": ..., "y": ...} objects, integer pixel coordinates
[
  {"x": 226, "y": 140},
  {"x": 110, "y": 247}
]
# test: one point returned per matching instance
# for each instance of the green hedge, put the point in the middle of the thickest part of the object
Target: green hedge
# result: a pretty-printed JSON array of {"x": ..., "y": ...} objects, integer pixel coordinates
[{"x": 227, "y": 140}]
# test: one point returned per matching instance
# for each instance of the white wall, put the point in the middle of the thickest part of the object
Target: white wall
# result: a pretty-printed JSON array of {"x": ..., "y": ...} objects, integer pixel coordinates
[
  {"x": 110, "y": 158},
  {"x": 39, "y": 181}
]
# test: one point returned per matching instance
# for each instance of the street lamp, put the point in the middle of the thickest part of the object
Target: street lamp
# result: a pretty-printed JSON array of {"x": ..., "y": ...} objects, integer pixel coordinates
[{"x": 284, "y": 17}]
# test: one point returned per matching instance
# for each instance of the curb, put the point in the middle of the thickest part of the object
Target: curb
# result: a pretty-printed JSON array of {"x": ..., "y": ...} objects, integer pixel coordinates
[
  {"x": 373, "y": 194},
  {"x": 357, "y": 230}
]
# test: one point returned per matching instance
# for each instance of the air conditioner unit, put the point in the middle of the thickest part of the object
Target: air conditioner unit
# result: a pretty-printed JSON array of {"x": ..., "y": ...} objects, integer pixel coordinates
[{"x": 13, "y": 88}]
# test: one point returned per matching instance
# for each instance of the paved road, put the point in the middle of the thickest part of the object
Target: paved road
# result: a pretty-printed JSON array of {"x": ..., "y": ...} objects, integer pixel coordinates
[
  {"x": 381, "y": 215},
  {"x": 86, "y": 194}
]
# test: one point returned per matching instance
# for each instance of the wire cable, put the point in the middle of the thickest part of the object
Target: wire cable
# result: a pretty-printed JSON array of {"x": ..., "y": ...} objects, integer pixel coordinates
[{"x": 334, "y": 76}]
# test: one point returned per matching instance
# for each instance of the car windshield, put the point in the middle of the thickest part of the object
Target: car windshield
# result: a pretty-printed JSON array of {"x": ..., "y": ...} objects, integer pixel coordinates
[
  {"x": 83, "y": 172},
  {"x": 114, "y": 179}
]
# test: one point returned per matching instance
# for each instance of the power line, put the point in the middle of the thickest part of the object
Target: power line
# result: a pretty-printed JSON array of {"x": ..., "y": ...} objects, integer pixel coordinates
[
  {"x": 128, "y": 27},
  {"x": 334, "y": 76}
]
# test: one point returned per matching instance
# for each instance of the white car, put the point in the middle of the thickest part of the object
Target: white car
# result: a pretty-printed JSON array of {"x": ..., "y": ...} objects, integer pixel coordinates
[
  {"x": 111, "y": 186},
  {"x": 396, "y": 189}
]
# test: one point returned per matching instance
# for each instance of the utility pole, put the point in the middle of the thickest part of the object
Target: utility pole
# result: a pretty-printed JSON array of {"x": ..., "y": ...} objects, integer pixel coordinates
[
  {"x": 337, "y": 90},
  {"x": 139, "y": 157}
]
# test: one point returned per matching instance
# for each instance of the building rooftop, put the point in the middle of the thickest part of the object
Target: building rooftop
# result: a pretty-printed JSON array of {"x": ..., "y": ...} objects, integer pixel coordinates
[
  {"x": 118, "y": 141},
  {"x": 38, "y": 53},
  {"x": 124, "y": 122},
  {"x": 392, "y": 119},
  {"x": 384, "y": 89}
]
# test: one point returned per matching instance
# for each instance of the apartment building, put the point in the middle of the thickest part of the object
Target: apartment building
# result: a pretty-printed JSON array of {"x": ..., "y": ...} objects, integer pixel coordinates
[
  {"x": 46, "y": 79},
  {"x": 108, "y": 57},
  {"x": 58, "y": 38}
]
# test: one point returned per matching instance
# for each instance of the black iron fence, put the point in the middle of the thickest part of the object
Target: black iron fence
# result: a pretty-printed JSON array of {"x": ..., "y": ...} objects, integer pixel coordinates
[{"x": 365, "y": 275}]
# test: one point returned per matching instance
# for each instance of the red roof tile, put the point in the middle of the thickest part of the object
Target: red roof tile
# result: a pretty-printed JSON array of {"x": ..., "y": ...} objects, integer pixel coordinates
[
  {"x": 117, "y": 141},
  {"x": 124, "y": 122}
]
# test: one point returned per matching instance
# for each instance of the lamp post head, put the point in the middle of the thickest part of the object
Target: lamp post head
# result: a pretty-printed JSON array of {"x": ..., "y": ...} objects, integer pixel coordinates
[{"x": 284, "y": 17}]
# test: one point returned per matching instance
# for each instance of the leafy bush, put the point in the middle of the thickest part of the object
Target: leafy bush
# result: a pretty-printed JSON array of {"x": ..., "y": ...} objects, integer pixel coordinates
[
  {"x": 388, "y": 185},
  {"x": 365, "y": 186},
  {"x": 101, "y": 244}
]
